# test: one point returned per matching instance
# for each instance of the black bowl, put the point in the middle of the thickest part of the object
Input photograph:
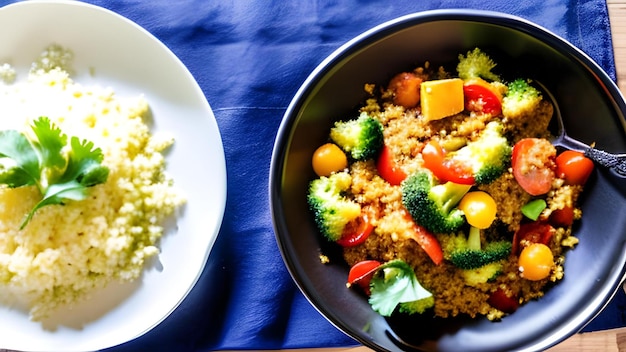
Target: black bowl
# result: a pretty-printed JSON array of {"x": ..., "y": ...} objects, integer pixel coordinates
[{"x": 593, "y": 110}]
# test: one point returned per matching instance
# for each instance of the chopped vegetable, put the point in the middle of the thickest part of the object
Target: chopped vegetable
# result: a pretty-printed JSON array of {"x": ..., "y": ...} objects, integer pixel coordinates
[
  {"x": 574, "y": 167},
  {"x": 533, "y": 165},
  {"x": 406, "y": 89},
  {"x": 521, "y": 99},
  {"x": 428, "y": 242},
  {"x": 533, "y": 209},
  {"x": 481, "y": 96},
  {"x": 361, "y": 138},
  {"x": 61, "y": 172},
  {"x": 469, "y": 253},
  {"x": 442, "y": 98},
  {"x": 356, "y": 231},
  {"x": 433, "y": 205},
  {"x": 446, "y": 169},
  {"x": 479, "y": 208},
  {"x": 329, "y": 158},
  {"x": 361, "y": 274},
  {"x": 388, "y": 169},
  {"x": 332, "y": 210},
  {"x": 536, "y": 262},
  {"x": 476, "y": 64},
  {"x": 395, "y": 283}
]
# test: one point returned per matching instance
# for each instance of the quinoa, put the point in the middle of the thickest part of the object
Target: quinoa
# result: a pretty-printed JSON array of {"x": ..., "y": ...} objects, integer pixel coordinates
[
  {"x": 68, "y": 251},
  {"x": 405, "y": 134}
]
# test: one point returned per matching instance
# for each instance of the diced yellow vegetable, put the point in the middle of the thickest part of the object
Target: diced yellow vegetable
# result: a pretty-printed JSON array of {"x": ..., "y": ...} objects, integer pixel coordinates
[{"x": 441, "y": 98}]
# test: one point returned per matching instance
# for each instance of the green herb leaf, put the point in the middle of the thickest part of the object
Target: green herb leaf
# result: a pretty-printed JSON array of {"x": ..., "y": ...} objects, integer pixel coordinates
[
  {"x": 393, "y": 283},
  {"x": 533, "y": 209},
  {"x": 60, "y": 173}
]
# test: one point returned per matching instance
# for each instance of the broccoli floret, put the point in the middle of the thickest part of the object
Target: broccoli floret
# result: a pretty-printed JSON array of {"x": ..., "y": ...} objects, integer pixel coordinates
[
  {"x": 521, "y": 98},
  {"x": 433, "y": 205},
  {"x": 476, "y": 64},
  {"x": 417, "y": 307},
  {"x": 361, "y": 138},
  {"x": 485, "y": 273},
  {"x": 470, "y": 254},
  {"x": 489, "y": 156},
  {"x": 332, "y": 210}
]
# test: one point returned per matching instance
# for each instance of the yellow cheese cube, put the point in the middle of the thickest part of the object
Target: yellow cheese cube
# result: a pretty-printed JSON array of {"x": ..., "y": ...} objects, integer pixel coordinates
[{"x": 441, "y": 98}]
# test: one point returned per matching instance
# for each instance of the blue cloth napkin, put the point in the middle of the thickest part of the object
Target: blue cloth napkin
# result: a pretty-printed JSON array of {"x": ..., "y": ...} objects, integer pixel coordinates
[{"x": 249, "y": 58}]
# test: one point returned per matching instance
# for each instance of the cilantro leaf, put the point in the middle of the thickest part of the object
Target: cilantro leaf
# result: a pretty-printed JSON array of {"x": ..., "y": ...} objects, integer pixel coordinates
[
  {"x": 393, "y": 283},
  {"x": 59, "y": 172},
  {"x": 22, "y": 167}
]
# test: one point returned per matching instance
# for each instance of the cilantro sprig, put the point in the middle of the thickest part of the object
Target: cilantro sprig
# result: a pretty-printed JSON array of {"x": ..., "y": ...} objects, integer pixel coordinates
[{"x": 60, "y": 171}]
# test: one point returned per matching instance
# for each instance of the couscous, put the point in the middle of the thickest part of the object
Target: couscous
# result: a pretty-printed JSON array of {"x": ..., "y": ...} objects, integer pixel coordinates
[
  {"x": 459, "y": 183},
  {"x": 68, "y": 250}
]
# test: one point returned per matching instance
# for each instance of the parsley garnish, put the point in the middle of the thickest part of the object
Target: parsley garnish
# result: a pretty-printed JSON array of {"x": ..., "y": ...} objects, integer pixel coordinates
[{"x": 60, "y": 171}]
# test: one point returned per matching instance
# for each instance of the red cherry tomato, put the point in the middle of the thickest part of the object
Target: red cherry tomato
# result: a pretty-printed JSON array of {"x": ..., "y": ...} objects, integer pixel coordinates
[
  {"x": 562, "y": 217},
  {"x": 388, "y": 169},
  {"x": 361, "y": 274},
  {"x": 532, "y": 232},
  {"x": 533, "y": 165},
  {"x": 574, "y": 167},
  {"x": 446, "y": 169},
  {"x": 428, "y": 242},
  {"x": 356, "y": 231},
  {"x": 500, "y": 300},
  {"x": 480, "y": 96}
]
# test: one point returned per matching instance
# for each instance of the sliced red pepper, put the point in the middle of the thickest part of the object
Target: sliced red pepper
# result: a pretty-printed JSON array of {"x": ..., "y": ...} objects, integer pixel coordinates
[
  {"x": 356, "y": 231},
  {"x": 388, "y": 169},
  {"x": 361, "y": 274},
  {"x": 445, "y": 168},
  {"x": 502, "y": 301},
  {"x": 533, "y": 232},
  {"x": 428, "y": 242},
  {"x": 480, "y": 96}
]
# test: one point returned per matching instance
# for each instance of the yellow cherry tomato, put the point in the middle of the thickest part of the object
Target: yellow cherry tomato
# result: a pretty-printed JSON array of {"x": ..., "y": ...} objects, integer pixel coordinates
[
  {"x": 329, "y": 158},
  {"x": 535, "y": 262},
  {"x": 479, "y": 208}
]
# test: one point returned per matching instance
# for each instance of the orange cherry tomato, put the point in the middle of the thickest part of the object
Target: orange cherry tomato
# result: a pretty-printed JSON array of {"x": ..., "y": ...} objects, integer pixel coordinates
[
  {"x": 388, "y": 169},
  {"x": 574, "y": 167},
  {"x": 536, "y": 262},
  {"x": 329, "y": 158},
  {"x": 535, "y": 178},
  {"x": 479, "y": 209}
]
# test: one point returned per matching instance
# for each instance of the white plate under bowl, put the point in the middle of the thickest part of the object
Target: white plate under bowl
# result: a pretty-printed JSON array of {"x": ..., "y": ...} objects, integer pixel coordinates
[{"x": 110, "y": 50}]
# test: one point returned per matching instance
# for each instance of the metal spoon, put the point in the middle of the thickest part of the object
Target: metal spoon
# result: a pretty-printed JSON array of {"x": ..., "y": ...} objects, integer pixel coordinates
[{"x": 615, "y": 162}]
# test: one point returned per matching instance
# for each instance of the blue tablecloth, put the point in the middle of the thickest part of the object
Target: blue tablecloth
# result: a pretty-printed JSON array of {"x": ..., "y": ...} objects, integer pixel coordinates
[{"x": 250, "y": 57}]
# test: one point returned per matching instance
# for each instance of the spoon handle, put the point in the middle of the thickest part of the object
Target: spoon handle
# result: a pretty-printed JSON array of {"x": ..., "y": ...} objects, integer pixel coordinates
[{"x": 615, "y": 162}]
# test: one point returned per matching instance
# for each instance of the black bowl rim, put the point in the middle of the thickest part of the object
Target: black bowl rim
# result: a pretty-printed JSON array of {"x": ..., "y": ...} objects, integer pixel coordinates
[{"x": 372, "y": 35}]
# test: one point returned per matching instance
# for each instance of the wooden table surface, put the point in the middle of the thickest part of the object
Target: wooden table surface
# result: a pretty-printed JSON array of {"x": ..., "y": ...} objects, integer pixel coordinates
[{"x": 607, "y": 340}]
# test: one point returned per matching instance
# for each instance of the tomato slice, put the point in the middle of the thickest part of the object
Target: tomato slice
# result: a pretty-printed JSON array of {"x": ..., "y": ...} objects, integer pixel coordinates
[
  {"x": 574, "y": 167},
  {"x": 356, "y": 231},
  {"x": 446, "y": 169},
  {"x": 533, "y": 232},
  {"x": 534, "y": 177},
  {"x": 480, "y": 96},
  {"x": 361, "y": 274},
  {"x": 388, "y": 169},
  {"x": 502, "y": 301},
  {"x": 428, "y": 242}
]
